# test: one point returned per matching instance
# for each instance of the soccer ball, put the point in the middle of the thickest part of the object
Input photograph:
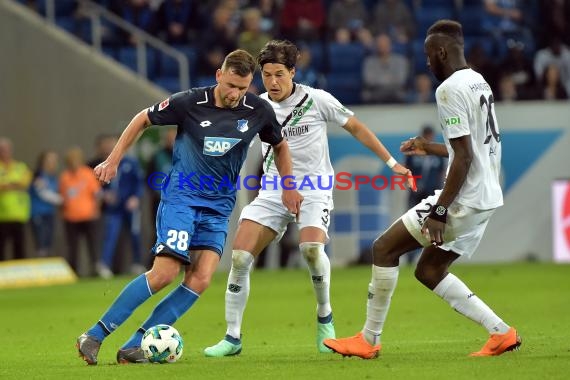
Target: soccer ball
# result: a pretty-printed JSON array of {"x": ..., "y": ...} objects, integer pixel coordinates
[{"x": 162, "y": 344}]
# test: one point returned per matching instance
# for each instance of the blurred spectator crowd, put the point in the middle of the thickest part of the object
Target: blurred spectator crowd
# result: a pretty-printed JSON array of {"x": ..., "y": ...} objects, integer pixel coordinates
[
  {"x": 48, "y": 201},
  {"x": 362, "y": 51},
  {"x": 60, "y": 209}
]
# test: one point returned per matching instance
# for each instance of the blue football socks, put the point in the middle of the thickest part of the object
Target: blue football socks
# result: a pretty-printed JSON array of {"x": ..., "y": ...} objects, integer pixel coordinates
[
  {"x": 132, "y": 296},
  {"x": 172, "y": 307}
]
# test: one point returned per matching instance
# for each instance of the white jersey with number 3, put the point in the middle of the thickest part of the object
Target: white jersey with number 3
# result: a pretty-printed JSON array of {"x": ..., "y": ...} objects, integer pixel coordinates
[
  {"x": 466, "y": 108},
  {"x": 306, "y": 134}
]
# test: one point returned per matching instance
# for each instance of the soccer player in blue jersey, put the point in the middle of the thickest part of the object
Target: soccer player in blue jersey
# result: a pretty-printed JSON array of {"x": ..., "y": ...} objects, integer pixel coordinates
[{"x": 215, "y": 127}]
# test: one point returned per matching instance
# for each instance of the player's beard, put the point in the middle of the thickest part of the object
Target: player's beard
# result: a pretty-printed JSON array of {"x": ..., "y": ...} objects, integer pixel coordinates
[{"x": 228, "y": 103}]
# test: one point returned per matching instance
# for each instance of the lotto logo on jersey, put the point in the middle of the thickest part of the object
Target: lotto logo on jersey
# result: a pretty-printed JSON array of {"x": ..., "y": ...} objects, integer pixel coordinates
[{"x": 218, "y": 146}]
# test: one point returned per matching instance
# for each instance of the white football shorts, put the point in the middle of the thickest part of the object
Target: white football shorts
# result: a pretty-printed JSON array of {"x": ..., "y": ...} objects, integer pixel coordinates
[
  {"x": 464, "y": 229},
  {"x": 268, "y": 210}
]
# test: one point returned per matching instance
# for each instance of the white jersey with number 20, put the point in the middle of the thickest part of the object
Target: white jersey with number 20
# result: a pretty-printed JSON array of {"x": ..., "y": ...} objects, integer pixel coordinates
[{"x": 466, "y": 107}]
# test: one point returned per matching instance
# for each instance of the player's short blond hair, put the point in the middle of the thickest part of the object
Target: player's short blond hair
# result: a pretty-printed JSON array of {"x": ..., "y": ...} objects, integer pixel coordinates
[{"x": 240, "y": 62}]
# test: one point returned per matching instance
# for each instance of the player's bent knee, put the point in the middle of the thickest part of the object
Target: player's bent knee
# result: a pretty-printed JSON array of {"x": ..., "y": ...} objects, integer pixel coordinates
[
  {"x": 159, "y": 279},
  {"x": 420, "y": 274},
  {"x": 241, "y": 259},
  {"x": 200, "y": 284},
  {"x": 380, "y": 247},
  {"x": 311, "y": 251},
  {"x": 383, "y": 253},
  {"x": 428, "y": 276}
]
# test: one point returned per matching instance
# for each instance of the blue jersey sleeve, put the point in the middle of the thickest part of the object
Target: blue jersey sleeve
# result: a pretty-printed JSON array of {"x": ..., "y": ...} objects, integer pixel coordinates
[
  {"x": 271, "y": 131},
  {"x": 170, "y": 111}
]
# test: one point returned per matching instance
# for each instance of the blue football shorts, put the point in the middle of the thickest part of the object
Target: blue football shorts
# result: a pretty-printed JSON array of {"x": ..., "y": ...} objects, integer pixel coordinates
[{"x": 181, "y": 229}]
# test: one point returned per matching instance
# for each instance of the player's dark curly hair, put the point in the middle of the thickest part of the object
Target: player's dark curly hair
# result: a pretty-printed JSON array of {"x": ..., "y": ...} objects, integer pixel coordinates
[
  {"x": 240, "y": 61},
  {"x": 447, "y": 28},
  {"x": 278, "y": 51}
]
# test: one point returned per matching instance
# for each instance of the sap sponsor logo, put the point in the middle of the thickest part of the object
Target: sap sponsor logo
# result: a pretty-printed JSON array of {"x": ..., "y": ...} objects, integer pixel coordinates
[{"x": 218, "y": 146}]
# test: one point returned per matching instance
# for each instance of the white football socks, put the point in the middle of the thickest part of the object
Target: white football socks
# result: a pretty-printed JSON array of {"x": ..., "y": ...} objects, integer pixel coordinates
[
  {"x": 320, "y": 268},
  {"x": 380, "y": 291},
  {"x": 465, "y": 302},
  {"x": 237, "y": 291}
]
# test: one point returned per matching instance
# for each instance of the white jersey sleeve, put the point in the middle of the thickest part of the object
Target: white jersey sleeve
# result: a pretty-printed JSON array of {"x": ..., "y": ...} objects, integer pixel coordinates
[
  {"x": 453, "y": 113},
  {"x": 333, "y": 112},
  {"x": 465, "y": 105}
]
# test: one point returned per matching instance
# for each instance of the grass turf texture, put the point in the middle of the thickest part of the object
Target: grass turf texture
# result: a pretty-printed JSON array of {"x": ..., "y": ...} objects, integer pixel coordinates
[{"x": 424, "y": 338}]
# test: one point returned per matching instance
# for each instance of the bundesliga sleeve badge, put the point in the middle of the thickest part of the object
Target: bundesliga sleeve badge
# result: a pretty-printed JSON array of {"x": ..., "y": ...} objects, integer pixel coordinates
[{"x": 163, "y": 104}]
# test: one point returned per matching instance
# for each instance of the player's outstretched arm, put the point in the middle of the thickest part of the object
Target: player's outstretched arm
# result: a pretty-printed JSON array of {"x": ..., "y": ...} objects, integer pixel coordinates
[
  {"x": 291, "y": 197},
  {"x": 107, "y": 170},
  {"x": 419, "y": 146},
  {"x": 458, "y": 169},
  {"x": 361, "y": 132}
]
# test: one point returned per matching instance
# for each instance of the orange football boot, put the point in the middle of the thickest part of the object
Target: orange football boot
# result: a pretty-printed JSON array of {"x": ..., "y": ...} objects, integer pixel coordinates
[
  {"x": 353, "y": 346},
  {"x": 500, "y": 343}
]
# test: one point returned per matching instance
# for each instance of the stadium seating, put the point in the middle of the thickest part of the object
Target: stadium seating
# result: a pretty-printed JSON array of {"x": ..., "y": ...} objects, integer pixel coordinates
[
  {"x": 339, "y": 64},
  {"x": 418, "y": 56},
  {"x": 345, "y": 58},
  {"x": 346, "y": 86},
  {"x": 170, "y": 83},
  {"x": 168, "y": 66},
  {"x": 128, "y": 57},
  {"x": 471, "y": 17},
  {"x": 425, "y": 17}
]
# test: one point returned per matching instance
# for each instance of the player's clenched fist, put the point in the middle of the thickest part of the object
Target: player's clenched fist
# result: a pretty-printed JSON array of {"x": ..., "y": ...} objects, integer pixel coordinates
[{"x": 105, "y": 171}]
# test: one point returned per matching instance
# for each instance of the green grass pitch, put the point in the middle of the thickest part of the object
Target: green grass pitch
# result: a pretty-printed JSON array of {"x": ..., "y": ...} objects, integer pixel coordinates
[{"x": 423, "y": 337}]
